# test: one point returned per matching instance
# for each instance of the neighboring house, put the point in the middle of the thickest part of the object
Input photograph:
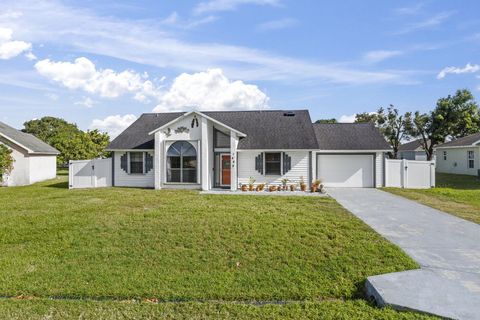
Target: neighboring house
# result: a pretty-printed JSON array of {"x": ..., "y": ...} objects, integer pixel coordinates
[
  {"x": 460, "y": 156},
  {"x": 207, "y": 150},
  {"x": 35, "y": 160},
  {"x": 412, "y": 150}
]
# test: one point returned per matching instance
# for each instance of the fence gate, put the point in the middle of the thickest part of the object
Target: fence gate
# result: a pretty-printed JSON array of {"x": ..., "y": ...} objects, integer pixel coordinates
[
  {"x": 409, "y": 174},
  {"x": 95, "y": 173}
]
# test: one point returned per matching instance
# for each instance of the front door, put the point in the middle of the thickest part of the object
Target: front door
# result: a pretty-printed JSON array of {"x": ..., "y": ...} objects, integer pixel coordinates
[{"x": 225, "y": 169}]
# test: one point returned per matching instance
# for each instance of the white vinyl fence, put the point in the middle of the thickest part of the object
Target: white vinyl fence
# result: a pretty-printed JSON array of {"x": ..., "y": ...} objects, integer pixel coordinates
[
  {"x": 409, "y": 174},
  {"x": 95, "y": 173}
]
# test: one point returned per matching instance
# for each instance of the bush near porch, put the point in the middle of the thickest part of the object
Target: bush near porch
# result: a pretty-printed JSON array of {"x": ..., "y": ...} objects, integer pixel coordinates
[{"x": 213, "y": 253}]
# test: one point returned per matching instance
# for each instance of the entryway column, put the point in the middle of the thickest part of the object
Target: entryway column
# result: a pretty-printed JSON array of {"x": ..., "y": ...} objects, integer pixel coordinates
[
  {"x": 204, "y": 157},
  {"x": 157, "y": 161},
  {"x": 233, "y": 160}
]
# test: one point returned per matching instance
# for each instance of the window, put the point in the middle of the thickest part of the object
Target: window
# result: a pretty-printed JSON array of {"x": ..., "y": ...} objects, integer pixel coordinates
[
  {"x": 182, "y": 163},
  {"x": 136, "y": 162},
  {"x": 222, "y": 140},
  {"x": 471, "y": 159},
  {"x": 445, "y": 155},
  {"x": 273, "y": 163}
]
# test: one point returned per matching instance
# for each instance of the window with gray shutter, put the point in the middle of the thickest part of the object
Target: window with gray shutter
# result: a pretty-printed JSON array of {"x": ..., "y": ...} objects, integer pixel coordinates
[
  {"x": 148, "y": 162},
  {"x": 124, "y": 162},
  {"x": 259, "y": 163},
  {"x": 287, "y": 163}
]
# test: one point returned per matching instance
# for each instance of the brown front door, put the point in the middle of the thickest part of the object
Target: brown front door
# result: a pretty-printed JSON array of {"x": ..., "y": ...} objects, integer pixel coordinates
[{"x": 225, "y": 169}]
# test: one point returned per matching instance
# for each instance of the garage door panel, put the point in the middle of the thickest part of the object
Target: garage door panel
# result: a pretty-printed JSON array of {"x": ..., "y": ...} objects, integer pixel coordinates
[{"x": 355, "y": 171}]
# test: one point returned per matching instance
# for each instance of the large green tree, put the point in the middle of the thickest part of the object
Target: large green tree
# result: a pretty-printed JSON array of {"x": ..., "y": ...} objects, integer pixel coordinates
[
  {"x": 6, "y": 161},
  {"x": 73, "y": 143},
  {"x": 453, "y": 117},
  {"x": 393, "y": 125}
]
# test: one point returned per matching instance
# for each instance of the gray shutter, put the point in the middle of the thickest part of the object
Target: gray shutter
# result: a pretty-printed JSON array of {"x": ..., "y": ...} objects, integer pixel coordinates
[
  {"x": 259, "y": 163},
  {"x": 148, "y": 162},
  {"x": 287, "y": 163},
  {"x": 124, "y": 162}
]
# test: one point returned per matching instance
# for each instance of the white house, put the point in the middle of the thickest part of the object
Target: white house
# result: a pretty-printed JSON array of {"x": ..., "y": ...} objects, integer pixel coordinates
[
  {"x": 35, "y": 160},
  {"x": 412, "y": 150},
  {"x": 460, "y": 156},
  {"x": 209, "y": 150}
]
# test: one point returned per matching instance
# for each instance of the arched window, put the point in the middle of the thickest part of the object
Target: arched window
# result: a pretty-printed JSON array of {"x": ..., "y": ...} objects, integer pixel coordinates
[{"x": 182, "y": 163}]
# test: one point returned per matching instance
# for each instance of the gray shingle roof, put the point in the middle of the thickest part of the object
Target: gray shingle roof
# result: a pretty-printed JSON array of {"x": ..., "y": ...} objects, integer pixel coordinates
[
  {"x": 26, "y": 140},
  {"x": 137, "y": 135},
  {"x": 467, "y": 141},
  {"x": 349, "y": 136},
  {"x": 269, "y": 129},
  {"x": 415, "y": 145}
]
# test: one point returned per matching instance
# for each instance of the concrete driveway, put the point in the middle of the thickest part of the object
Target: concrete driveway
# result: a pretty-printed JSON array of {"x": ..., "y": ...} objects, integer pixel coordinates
[{"x": 446, "y": 247}]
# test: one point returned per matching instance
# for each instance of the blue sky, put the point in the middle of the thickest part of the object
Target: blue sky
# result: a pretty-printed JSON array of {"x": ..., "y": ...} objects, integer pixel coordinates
[{"x": 103, "y": 63}]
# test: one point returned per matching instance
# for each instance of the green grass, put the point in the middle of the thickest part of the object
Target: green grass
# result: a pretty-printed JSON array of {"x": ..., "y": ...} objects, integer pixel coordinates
[
  {"x": 456, "y": 194},
  {"x": 179, "y": 246},
  {"x": 65, "y": 310}
]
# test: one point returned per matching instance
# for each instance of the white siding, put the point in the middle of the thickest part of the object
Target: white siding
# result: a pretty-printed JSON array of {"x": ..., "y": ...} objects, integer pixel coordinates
[
  {"x": 28, "y": 169},
  {"x": 42, "y": 168},
  {"x": 457, "y": 161},
  {"x": 20, "y": 175},
  {"x": 246, "y": 168},
  {"x": 123, "y": 179},
  {"x": 379, "y": 169}
]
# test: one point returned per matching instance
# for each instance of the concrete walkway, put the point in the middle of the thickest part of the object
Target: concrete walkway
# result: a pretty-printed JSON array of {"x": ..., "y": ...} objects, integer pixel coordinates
[{"x": 446, "y": 247}]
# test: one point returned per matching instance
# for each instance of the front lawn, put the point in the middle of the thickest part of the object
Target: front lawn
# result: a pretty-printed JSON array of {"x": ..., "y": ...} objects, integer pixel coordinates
[
  {"x": 171, "y": 246},
  {"x": 456, "y": 194}
]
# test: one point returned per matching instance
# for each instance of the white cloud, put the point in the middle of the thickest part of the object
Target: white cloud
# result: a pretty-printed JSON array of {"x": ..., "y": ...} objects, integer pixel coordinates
[
  {"x": 469, "y": 68},
  {"x": 54, "y": 23},
  {"x": 380, "y": 55},
  {"x": 228, "y": 5},
  {"x": 114, "y": 125},
  {"x": 52, "y": 96},
  {"x": 87, "y": 102},
  {"x": 211, "y": 90},
  {"x": 11, "y": 48},
  {"x": 82, "y": 74},
  {"x": 174, "y": 20},
  {"x": 347, "y": 118},
  {"x": 410, "y": 10},
  {"x": 277, "y": 24},
  {"x": 431, "y": 22}
]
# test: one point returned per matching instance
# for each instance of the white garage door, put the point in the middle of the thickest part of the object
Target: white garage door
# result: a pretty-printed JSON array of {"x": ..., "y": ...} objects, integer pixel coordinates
[{"x": 343, "y": 170}]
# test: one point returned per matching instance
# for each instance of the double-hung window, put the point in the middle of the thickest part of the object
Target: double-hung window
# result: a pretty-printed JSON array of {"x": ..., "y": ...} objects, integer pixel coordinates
[
  {"x": 445, "y": 155},
  {"x": 273, "y": 163},
  {"x": 471, "y": 159},
  {"x": 136, "y": 163}
]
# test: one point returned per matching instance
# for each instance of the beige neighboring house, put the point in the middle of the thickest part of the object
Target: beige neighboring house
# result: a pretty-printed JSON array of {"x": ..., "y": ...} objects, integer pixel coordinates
[
  {"x": 35, "y": 160},
  {"x": 460, "y": 156}
]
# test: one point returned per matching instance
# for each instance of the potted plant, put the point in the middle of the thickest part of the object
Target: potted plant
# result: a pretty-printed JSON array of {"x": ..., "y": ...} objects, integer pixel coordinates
[
  {"x": 284, "y": 184},
  {"x": 303, "y": 186},
  {"x": 260, "y": 187},
  {"x": 244, "y": 187},
  {"x": 272, "y": 188},
  {"x": 279, "y": 188},
  {"x": 315, "y": 184},
  {"x": 293, "y": 187},
  {"x": 251, "y": 181}
]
